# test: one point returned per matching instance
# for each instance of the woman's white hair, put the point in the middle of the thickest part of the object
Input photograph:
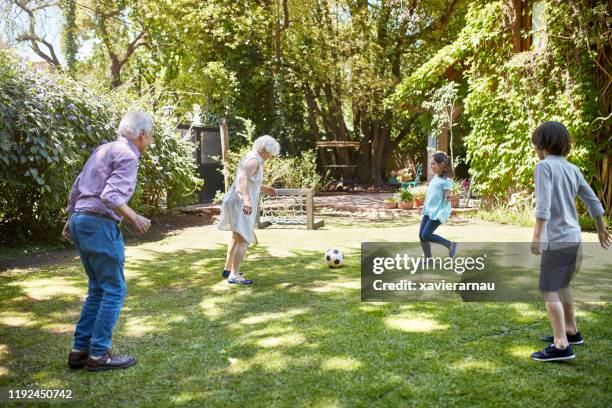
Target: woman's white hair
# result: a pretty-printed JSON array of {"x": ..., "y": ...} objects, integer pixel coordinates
[
  {"x": 267, "y": 143},
  {"x": 135, "y": 122}
]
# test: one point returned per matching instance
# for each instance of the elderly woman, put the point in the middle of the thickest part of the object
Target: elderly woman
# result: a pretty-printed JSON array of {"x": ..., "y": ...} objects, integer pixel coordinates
[{"x": 240, "y": 205}]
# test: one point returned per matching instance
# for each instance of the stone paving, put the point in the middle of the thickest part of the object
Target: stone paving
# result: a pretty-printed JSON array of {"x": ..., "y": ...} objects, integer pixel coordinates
[
  {"x": 341, "y": 202},
  {"x": 351, "y": 201}
]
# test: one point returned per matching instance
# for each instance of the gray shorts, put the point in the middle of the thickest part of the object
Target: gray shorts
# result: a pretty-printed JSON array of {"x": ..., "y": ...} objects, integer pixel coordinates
[{"x": 558, "y": 267}]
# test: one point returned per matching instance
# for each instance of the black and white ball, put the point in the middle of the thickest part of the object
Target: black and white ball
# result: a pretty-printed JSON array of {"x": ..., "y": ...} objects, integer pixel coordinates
[{"x": 334, "y": 258}]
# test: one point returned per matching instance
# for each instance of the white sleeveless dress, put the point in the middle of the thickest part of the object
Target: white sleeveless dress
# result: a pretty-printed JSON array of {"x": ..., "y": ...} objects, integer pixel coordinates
[{"x": 232, "y": 218}]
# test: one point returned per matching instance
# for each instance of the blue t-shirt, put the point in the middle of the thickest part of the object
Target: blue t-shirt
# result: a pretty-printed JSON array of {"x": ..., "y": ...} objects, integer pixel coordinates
[{"x": 435, "y": 206}]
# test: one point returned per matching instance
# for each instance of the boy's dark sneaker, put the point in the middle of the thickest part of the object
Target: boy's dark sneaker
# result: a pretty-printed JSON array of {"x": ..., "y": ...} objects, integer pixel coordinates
[
  {"x": 572, "y": 339},
  {"x": 225, "y": 274},
  {"x": 552, "y": 353}
]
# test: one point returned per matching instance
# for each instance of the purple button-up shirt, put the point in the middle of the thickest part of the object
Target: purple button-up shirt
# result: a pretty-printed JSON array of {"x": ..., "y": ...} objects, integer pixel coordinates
[{"x": 108, "y": 179}]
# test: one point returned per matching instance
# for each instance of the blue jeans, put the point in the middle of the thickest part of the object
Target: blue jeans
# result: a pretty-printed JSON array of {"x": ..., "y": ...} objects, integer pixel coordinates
[
  {"x": 100, "y": 245},
  {"x": 426, "y": 235}
]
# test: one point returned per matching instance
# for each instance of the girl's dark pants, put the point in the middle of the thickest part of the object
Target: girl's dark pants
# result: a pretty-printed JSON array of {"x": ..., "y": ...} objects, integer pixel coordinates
[{"x": 426, "y": 235}]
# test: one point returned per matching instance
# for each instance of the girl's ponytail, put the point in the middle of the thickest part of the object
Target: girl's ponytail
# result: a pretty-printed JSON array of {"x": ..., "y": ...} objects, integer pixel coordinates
[{"x": 449, "y": 171}]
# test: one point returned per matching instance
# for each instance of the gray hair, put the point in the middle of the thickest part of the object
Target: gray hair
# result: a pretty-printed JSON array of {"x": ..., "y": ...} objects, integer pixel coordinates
[
  {"x": 268, "y": 144},
  {"x": 135, "y": 122}
]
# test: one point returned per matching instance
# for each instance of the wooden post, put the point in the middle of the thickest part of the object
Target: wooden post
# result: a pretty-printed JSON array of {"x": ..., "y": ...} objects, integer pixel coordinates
[
  {"x": 309, "y": 210},
  {"x": 224, "y": 133},
  {"x": 469, "y": 192}
]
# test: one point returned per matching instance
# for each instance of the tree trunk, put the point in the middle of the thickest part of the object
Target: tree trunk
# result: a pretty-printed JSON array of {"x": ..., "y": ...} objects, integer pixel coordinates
[
  {"x": 364, "y": 161},
  {"x": 115, "y": 72},
  {"x": 520, "y": 17},
  {"x": 311, "y": 103},
  {"x": 337, "y": 124},
  {"x": 380, "y": 154},
  {"x": 374, "y": 151},
  {"x": 443, "y": 140}
]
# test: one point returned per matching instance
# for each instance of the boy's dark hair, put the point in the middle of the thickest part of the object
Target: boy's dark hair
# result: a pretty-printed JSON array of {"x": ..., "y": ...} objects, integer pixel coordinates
[
  {"x": 442, "y": 158},
  {"x": 553, "y": 137}
]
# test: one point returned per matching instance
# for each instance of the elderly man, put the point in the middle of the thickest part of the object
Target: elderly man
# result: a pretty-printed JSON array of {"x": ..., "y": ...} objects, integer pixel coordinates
[{"x": 97, "y": 203}]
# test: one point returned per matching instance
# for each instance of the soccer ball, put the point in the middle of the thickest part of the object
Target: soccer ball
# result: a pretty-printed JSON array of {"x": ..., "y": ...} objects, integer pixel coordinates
[{"x": 334, "y": 258}]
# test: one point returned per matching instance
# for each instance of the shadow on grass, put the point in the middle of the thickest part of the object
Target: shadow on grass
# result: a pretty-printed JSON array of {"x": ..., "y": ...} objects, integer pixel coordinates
[{"x": 298, "y": 337}]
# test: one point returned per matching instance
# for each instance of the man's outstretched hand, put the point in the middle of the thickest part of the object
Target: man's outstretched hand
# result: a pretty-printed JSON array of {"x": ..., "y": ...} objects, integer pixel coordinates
[
  {"x": 66, "y": 232},
  {"x": 141, "y": 224}
]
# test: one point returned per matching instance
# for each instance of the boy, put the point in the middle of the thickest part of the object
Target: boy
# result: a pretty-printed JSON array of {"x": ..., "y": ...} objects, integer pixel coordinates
[{"x": 557, "y": 234}]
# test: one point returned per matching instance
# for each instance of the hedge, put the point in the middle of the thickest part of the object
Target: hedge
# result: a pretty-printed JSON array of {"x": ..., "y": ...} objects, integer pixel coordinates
[{"x": 49, "y": 125}]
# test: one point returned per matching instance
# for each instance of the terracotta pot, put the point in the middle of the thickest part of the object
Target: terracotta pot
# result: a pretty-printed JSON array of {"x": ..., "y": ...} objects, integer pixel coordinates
[
  {"x": 454, "y": 202},
  {"x": 406, "y": 205},
  {"x": 389, "y": 205},
  {"x": 418, "y": 202}
]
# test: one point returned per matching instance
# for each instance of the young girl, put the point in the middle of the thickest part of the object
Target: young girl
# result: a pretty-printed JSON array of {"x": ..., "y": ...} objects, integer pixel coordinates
[
  {"x": 557, "y": 234},
  {"x": 437, "y": 207}
]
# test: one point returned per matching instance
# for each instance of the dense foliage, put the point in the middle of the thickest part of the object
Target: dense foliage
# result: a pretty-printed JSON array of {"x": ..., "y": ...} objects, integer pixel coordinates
[
  {"x": 282, "y": 171},
  {"x": 368, "y": 71},
  {"x": 508, "y": 93},
  {"x": 49, "y": 125},
  {"x": 302, "y": 71}
]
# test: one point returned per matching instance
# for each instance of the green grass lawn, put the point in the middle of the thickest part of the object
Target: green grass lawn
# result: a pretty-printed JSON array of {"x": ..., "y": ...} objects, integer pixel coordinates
[{"x": 299, "y": 337}]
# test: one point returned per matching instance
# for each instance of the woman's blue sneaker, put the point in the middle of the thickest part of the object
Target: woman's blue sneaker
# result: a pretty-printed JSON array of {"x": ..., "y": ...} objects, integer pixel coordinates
[
  {"x": 552, "y": 353},
  {"x": 240, "y": 281},
  {"x": 225, "y": 274}
]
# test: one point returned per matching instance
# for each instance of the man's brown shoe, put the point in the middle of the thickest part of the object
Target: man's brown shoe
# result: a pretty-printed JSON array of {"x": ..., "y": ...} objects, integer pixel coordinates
[
  {"x": 109, "y": 362},
  {"x": 77, "y": 359}
]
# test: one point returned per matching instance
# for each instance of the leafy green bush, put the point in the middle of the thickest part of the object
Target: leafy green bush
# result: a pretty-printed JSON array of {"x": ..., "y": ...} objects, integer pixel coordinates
[
  {"x": 519, "y": 211},
  {"x": 503, "y": 215},
  {"x": 282, "y": 171},
  {"x": 219, "y": 196},
  {"x": 168, "y": 172},
  {"x": 49, "y": 125}
]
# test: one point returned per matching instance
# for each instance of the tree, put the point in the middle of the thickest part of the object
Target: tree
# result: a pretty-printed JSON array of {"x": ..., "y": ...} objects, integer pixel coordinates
[
  {"x": 442, "y": 104},
  {"x": 30, "y": 10},
  {"x": 120, "y": 27},
  {"x": 349, "y": 57},
  {"x": 306, "y": 70}
]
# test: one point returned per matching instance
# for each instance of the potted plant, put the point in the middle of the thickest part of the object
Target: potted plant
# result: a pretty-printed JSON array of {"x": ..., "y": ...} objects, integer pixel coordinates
[
  {"x": 456, "y": 189},
  {"x": 389, "y": 203},
  {"x": 405, "y": 199},
  {"x": 419, "y": 193}
]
